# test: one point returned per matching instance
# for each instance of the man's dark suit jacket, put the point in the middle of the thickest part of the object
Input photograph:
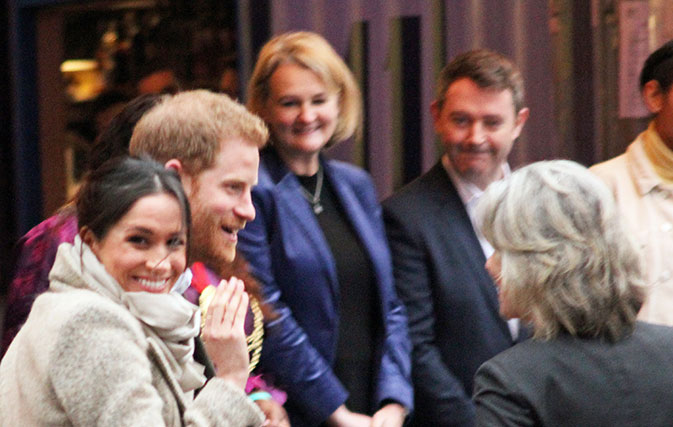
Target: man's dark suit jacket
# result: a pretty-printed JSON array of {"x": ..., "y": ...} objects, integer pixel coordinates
[
  {"x": 580, "y": 382},
  {"x": 451, "y": 301}
]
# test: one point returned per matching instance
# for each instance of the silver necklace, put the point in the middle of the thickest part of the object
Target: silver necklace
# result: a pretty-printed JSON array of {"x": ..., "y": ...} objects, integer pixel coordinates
[{"x": 314, "y": 199}]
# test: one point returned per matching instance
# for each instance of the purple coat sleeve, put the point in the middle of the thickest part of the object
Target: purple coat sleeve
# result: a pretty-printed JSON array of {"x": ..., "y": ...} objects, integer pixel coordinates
[{"x": 35, "y": 254}]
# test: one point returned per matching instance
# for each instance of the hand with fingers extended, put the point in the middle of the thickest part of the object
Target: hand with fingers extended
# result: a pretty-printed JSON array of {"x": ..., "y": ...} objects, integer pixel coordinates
[{"x": 224, "y": 335}]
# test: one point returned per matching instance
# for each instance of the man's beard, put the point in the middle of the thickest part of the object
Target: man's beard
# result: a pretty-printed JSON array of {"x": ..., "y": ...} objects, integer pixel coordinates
[{"x": 207, "y": 241}]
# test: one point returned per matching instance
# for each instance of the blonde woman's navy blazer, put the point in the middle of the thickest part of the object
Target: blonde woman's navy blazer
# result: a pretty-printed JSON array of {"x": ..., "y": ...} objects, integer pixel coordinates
[{"x": 290, "y": 256}]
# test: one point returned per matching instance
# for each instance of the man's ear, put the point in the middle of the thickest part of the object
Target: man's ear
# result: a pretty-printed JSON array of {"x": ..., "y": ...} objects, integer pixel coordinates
[
  {"x": 185, "y": 178},
  {"x": 520, "y": 120},
  {"x": 174, "y": 164},
  {"x": 436, "y": 112},
  {"x": 653, "y": 96}
]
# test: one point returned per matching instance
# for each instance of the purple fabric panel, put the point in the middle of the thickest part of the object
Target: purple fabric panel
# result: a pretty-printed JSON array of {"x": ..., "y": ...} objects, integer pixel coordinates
[{"x": 540, "y": 140}]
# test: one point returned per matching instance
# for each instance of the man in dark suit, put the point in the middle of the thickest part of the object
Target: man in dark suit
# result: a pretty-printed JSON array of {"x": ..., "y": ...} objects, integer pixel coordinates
[{"x": 438, "y": 253}]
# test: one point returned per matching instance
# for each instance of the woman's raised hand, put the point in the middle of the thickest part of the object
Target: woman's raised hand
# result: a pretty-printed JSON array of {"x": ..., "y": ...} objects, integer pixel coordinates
[{"x": 224, "y": 335}]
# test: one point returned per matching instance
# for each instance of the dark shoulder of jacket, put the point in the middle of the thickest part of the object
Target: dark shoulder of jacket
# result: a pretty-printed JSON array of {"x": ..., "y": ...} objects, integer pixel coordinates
[{"x": 404, "y": 198}]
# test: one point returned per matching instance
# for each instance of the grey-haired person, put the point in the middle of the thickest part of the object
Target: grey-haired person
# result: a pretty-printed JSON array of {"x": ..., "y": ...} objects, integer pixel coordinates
[{"x": 565, "y": 264}]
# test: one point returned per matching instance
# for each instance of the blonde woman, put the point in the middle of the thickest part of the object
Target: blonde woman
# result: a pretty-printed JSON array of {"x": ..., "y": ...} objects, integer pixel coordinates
[{"x": 339, "y": 346}]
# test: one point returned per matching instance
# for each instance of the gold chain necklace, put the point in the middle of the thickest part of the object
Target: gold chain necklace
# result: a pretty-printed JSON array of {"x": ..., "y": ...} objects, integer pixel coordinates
[{"x": 256, "y": 337}]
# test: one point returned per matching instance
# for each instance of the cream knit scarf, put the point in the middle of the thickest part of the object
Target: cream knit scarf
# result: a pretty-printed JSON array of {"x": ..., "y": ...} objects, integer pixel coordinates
[
  {"x": 658, "y": 153},
  {"x": 169, "y": 318}
]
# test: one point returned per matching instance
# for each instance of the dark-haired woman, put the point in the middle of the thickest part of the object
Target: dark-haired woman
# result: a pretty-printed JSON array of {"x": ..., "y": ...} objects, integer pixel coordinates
[
  {"x": 36, "y": 250},
  {"x": 109, "y": 343}
]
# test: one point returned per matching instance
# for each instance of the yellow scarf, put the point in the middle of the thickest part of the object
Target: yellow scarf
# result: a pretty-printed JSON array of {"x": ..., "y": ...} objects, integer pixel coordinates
[{"x": 658, "y": 153}]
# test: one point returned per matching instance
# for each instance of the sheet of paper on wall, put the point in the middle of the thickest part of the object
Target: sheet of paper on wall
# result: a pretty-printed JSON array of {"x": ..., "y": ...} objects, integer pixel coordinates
[{"x": 634, "y": 49}]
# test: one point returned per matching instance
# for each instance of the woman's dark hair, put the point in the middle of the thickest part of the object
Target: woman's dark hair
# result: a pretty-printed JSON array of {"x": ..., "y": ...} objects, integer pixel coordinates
[
  {"x": 110, "y": 191},
  {"x": 113, "y": 141}
]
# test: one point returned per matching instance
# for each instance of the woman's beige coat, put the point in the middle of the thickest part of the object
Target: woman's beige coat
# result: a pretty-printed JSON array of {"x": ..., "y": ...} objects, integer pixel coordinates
[{"x": 81, "y": 359}]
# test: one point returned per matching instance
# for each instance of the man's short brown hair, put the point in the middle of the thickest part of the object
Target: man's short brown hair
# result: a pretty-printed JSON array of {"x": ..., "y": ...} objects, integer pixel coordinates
[
  {"x": 488, "y": 69},
  {"x": 190, "y": 127}
]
